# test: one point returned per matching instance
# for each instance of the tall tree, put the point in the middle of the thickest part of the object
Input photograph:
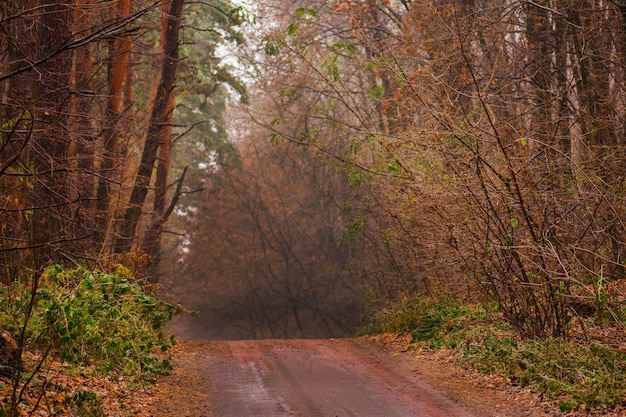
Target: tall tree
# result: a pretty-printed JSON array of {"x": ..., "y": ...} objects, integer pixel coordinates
[
  {"x": 82, "y": 126},
  {"x": 157, "y": 123},
  {"x": 119, "y": 55},
  {"x": 53, "y": 84}
]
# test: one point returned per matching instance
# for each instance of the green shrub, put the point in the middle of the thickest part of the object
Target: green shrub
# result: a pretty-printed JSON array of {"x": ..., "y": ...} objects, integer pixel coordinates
[
  {"x": 435, "y": 322},
  {"x": 94, "y": 319},
  {"x": 570, "y": 373},
  {"x": 401, "y": 317}
]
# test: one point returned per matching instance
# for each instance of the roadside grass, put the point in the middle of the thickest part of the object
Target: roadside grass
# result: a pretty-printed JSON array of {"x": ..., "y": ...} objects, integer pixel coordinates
[
  {"x": 80, "y": 335},
  {"x": 572, "y": 373}
]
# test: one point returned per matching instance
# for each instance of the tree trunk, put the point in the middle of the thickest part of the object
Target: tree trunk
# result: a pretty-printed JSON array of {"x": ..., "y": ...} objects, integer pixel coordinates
[
  {"x": 158, "y": 121},
  {"x": 152, "y": 240},
  {"x": 82, "y": 128},
  {"x": 119, "y": 55},
  {"x": 51, "y": 220}
]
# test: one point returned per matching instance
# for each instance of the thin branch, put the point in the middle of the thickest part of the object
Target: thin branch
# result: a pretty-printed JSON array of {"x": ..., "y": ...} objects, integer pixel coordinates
[
  {"x": 110, "y": 29},
  {"x": 177, "y": 195}
]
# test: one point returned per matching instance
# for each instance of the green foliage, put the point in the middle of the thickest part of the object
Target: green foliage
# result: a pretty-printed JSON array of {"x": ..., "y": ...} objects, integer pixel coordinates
[
  {"x": 377, "y": 92},
  {"x": 433, "y": 324},
  {"x": 344, "y": 49},
  {"x": 292, "y": 29},
  {"x": 331, "y": 68},
  {"x": 94, "y": 319},
  {"x": 305, "y": 11},
  {"x": 86, "y": 403},
  {"x": 355, "y": 146},
  {"x": 393, "y": 167},
  {"x": 207, "y": 83},
  {"x": 301, "y": 13},
  {"x": 354, "y": 226},
  {"x": 271, "y": 45},
  {"x": 399, "y": 317},
  {"x": 26, "y": 117},
  {"x": 427, "y": 320},
  {"x": 568, "y": 372},
  {"x": 356, "y": 176}
]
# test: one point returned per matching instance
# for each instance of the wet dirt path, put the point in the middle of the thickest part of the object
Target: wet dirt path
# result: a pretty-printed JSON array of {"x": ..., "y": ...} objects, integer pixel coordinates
[{"x": 312, "y": 378}]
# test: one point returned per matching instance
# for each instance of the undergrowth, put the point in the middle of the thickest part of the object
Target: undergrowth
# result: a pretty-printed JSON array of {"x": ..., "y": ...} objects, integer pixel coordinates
[
  {"x": 572, "y": 373},
  {"x": 102, "y": 324}
]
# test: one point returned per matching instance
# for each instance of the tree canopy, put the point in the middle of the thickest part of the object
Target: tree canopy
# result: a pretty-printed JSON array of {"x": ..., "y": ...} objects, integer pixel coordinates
[{"x": 89, "y": 97}]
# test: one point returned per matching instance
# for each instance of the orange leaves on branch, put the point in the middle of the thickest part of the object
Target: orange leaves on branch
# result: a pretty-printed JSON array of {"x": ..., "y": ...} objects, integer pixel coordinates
[{"x": 344, "y": 6}]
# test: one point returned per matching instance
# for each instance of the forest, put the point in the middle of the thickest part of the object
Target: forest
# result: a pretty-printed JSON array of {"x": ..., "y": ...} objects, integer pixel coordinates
[
  {"x": 313, "y": 169},
  {"x": 467, "y": 148}
]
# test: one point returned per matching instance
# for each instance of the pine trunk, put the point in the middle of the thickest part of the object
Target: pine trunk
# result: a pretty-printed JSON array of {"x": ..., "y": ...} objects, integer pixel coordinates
[{"x": 158, "y": 121}]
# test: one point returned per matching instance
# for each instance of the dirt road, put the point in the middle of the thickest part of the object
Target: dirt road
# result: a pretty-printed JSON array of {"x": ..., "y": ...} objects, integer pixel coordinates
[
  {"x": 315, "y": 378},
  {"x": 308, "y": 378}
]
